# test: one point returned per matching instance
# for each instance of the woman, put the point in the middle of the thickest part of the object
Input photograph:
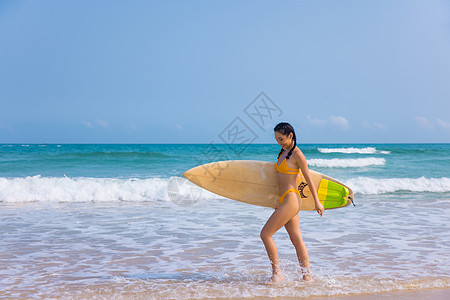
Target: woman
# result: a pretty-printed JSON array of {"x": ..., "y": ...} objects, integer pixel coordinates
[{"x": 291, "y": 162}]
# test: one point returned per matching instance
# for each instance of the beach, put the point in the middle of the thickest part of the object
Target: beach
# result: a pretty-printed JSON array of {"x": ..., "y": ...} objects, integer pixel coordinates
[
  {"x": 119, "y": 221},
  {"x": 438, "y": 294},
  {"x": 106, "y": 104}
]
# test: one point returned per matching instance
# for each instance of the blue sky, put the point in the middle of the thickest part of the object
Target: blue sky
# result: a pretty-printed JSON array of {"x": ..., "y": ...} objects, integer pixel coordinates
[{"x": 183, "y": 71}]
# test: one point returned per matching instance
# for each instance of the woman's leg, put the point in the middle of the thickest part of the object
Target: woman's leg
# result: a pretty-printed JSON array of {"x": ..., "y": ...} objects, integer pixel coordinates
[
  {"x": 280, "y": 217},
  {"x": 295, "y": 234}
]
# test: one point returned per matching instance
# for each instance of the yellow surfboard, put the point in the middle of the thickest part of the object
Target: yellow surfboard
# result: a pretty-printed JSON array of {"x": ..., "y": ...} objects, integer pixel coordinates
[{"x": 255, "y": 182}]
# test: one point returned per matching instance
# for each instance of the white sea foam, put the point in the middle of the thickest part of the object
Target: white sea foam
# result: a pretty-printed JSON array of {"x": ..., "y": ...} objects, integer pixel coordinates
[
  {"x": 352, "y": 150},
  {"x": 346, "y": 163},
  {"x": 84, "y": 189},
  {"x": 375, "y": 186},
  {"x": 179, "y": 191}
]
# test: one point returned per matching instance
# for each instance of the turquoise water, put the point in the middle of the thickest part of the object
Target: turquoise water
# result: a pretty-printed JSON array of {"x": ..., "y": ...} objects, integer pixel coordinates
[
  {"x": 119, "y": 221},
  {"x": 165, "y": 160}
]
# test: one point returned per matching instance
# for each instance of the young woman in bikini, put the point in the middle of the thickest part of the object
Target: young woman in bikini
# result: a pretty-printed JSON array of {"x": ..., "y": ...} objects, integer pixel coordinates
[{"x": 291, "y": 162}]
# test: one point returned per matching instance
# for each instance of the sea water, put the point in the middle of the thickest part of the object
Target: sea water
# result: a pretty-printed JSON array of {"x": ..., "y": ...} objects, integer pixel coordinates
[{"x": 120, "y": 222}]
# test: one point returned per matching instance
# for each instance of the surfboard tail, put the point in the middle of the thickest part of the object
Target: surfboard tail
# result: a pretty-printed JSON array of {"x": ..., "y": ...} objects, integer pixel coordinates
[{"x": 333, "y": 194}]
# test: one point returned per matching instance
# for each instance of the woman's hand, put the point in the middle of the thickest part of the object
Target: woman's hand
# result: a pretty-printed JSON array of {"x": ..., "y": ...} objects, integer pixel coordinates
[
  {"x": 300, "y": 159},
  {"x": 319, "y": 208}
]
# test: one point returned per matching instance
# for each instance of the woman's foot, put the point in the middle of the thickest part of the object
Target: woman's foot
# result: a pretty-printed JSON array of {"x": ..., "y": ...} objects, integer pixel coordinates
[
  {"x": 307, "y": 275},
  {"x": 275, "y": 279}
]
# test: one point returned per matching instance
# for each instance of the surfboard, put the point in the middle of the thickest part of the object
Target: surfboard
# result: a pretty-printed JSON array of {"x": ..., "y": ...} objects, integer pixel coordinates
[{"x": 255, "y": 182}]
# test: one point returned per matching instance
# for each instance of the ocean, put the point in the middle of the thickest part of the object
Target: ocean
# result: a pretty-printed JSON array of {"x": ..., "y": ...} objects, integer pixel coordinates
[{"x": 120, "y": 222}]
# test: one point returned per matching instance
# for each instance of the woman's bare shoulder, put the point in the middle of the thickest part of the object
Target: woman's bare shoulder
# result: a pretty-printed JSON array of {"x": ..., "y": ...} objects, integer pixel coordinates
[
  {"x": 297, "y": 152},
  {"x": 298, "y": 155}
]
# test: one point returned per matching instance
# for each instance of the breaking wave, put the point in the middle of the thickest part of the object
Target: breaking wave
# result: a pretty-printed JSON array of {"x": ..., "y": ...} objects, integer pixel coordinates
[
  {"x": 374, "y": 186},
  {"x": 352, "y": 150},
  {"x": 346, "y": 163},
  {"x": 85, "y": 189}
]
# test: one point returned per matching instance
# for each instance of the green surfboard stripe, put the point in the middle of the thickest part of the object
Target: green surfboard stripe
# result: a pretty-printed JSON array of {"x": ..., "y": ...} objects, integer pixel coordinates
[{"x": 335, "y": 194}]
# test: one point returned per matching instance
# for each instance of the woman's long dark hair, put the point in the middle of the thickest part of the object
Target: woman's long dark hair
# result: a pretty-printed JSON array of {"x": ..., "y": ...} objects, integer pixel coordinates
[{"x": 286, "y": 128}]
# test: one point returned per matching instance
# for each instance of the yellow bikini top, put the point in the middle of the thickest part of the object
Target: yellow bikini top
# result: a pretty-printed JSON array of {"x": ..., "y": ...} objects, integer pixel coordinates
[{"x": 283, "y": 168}]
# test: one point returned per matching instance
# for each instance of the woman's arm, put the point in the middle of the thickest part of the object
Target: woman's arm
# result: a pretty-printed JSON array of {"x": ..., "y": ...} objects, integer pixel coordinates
[{"x": 301, "y": 162}]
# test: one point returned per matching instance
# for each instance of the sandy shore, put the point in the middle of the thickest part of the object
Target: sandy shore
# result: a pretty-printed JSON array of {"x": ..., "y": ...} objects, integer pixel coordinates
[
  {"x": 427, "y": 294},
  {"x": 435, "y": 294}
]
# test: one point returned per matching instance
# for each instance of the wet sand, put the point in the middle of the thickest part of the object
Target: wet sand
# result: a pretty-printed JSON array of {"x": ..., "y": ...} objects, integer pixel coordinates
[
  {"x": 435, "y": 294},
  {"x": 426, "y": 294}
]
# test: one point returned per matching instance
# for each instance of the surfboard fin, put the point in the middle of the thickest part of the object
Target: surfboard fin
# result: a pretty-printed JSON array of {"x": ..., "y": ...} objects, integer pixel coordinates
[{"x": 351, "y": 199}]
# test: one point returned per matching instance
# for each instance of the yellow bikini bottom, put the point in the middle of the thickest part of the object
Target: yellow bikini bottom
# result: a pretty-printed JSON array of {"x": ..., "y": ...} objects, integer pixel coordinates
[{"x": 287, "y": 192}]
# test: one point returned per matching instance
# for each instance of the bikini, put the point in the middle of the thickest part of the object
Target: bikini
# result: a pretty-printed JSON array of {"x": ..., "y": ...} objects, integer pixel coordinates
[{"x": 283, "y": 168}]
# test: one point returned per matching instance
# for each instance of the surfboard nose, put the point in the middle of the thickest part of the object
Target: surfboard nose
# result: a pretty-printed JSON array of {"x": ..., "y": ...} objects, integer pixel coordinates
[
  {"x": 187, "y": 174},
  {"x": 190, "y": 175}
]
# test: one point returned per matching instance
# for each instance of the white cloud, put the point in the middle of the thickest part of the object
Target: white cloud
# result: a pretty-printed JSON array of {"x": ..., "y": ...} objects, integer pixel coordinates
[
  {"x": 431, "y": 125},
  {"x": 340, "y": 122},
  {"x": 443, "y": 124},
  {"x": 96, "y": 124},
  {"x": 87, "y": 124},
  {"x": 380, "y": 126},
  {"x": 102, "y": 123},
  {"x": 316, "y": 122},
  {"x": 337, "y": 121},
  {"x": 6, "y": 127},
  {"x": 133, "y": 127},
  {"x": 424, "y": 123},
  {"x": 375, "y": 125}
]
